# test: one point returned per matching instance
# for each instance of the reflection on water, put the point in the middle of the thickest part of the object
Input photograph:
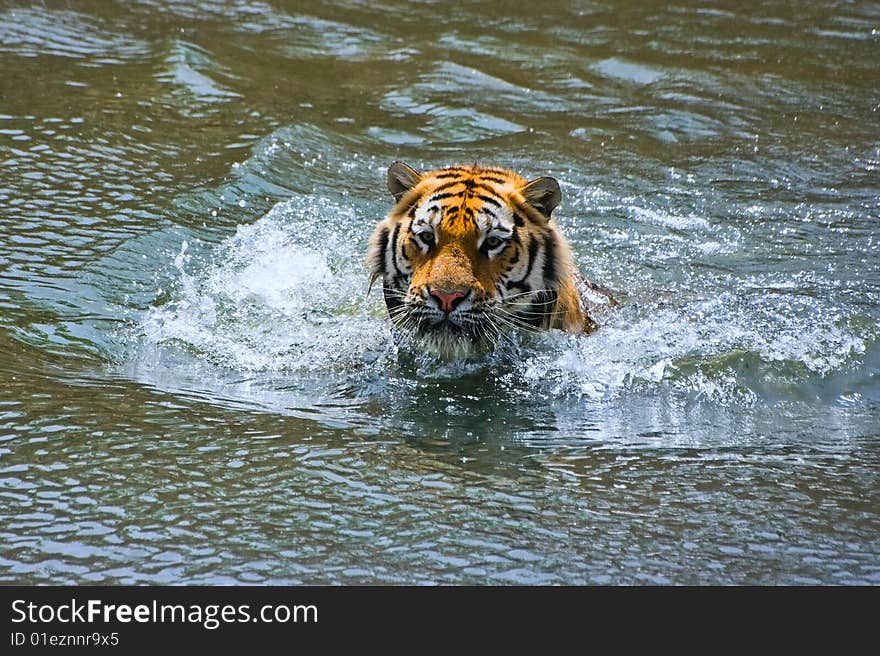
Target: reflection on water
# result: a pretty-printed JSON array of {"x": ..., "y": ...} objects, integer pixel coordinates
[{"x": 198, "y": 388}]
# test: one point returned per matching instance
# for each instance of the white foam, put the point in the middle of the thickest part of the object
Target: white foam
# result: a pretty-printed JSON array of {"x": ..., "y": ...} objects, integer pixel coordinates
[
  {"x": 700, "y": 347},
  {"x": 288, "y": 293},
  {"x": 668, "y": 220},
  {"x": 269, "y": 301}
]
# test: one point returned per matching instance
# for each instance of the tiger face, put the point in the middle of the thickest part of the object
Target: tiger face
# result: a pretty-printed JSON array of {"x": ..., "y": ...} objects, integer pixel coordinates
[{"x": 469, "y": 253}]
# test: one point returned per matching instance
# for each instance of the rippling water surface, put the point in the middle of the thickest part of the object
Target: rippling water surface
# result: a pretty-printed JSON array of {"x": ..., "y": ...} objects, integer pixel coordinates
[{"x": 197, "y": 386}]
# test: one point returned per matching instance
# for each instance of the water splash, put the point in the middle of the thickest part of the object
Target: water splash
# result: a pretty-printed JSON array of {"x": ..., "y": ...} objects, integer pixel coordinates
[
  {"x": 268, "y": 299},
  {"x": 287, "y": 294},
  {"x": 726, "y": 349}
]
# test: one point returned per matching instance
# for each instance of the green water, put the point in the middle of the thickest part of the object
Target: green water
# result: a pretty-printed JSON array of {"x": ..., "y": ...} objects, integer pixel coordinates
[{"x": 196, "y": 387}]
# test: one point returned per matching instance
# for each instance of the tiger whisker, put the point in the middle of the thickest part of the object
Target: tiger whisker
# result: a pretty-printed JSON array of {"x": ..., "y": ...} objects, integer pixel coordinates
[
  {"x": 498, "y": 334},
  {"x": 533, "y": 292},
  {"x": 515, "y": 322}
]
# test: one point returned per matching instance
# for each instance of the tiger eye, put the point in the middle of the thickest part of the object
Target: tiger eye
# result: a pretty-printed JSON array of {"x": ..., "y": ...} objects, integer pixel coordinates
[
  {"x": 427, "y": 238},
  {"x": 492, "y": 243}
]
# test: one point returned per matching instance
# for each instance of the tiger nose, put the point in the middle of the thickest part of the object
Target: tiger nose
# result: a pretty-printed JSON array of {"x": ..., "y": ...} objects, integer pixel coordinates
[{"x": 447, "y": 299}]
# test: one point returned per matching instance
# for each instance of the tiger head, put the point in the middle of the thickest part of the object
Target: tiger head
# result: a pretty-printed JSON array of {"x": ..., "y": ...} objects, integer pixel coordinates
[{"x": 468, "y": 253}]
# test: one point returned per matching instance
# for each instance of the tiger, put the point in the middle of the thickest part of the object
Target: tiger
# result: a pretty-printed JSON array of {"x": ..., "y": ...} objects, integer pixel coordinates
[{"x": 469, "y": 254}]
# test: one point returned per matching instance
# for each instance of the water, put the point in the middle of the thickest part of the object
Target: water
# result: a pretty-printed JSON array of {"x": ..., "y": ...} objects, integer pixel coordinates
[{"x": 197, "y": 386}]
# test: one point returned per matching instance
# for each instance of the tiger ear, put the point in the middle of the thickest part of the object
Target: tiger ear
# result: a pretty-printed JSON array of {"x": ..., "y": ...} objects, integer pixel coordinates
[
  {"x": 543, "y": 194},
  {"x": 401, "y": 178}
]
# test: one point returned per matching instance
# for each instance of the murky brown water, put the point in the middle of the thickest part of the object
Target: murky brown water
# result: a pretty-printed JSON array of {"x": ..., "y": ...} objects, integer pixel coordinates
[{"x": 195, "y": 386}]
